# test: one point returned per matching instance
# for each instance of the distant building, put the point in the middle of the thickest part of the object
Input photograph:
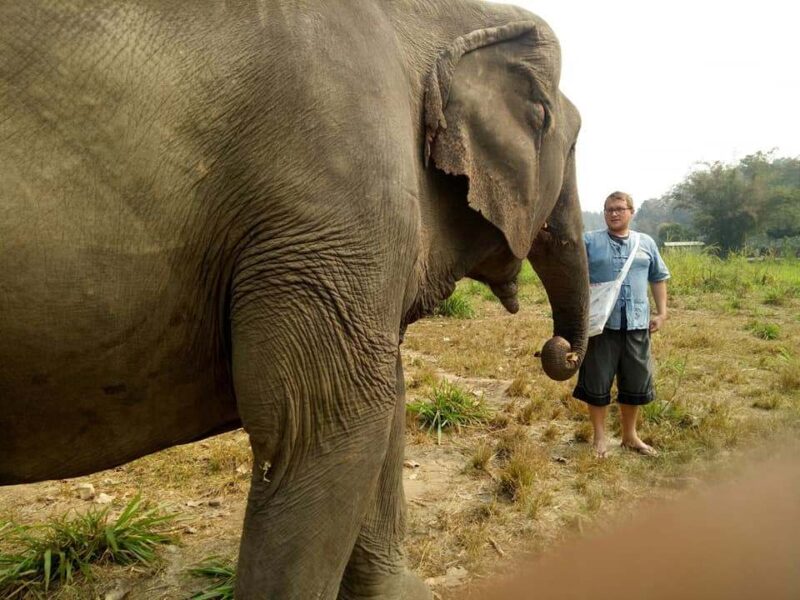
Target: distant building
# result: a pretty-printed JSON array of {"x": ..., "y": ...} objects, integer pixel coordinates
[{"x": 685, "y": 246}]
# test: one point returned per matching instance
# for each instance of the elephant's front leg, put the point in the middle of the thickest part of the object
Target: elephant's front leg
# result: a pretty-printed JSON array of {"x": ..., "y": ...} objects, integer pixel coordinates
[
  {"x": 316, "y": 393},
  {"x": 377, "y": 567}
]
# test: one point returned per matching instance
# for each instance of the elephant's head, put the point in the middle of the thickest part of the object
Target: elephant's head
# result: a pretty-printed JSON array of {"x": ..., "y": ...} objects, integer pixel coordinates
[{"x": 494, "y": 114}]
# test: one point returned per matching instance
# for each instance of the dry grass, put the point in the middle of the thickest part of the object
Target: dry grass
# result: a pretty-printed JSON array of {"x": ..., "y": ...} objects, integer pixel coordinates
[
  {"x": 210, "y": 468},
  {"x": 519, "y": 387},
  {"x": 523, "y": 463},
  {"x": 583, "y": 433},
  {"x": 530, "y": 412},
  {"x": 714, "y": 366},
  {"x": 551, "y": 432},
  {"x": 481, "y": 457}
]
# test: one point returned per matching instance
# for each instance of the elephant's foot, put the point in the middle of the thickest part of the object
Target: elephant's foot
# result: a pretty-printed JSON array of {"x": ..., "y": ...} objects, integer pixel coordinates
[
  {"x": 413, "y": 588},
  {"x": 404, "y": 585}
]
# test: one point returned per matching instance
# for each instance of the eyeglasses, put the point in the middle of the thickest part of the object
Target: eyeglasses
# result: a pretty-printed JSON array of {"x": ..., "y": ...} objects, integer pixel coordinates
[{"x": 616, "y": 211}]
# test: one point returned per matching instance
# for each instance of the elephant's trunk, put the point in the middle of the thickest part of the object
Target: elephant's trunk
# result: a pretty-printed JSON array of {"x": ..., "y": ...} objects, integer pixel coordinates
[
  {"x": 564, "y": 273},
  {"x": 558, "y": 256}
]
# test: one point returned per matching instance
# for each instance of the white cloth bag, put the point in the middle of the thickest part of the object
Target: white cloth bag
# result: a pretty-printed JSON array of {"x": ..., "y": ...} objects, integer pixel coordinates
[{"x": 603, "y": 296}]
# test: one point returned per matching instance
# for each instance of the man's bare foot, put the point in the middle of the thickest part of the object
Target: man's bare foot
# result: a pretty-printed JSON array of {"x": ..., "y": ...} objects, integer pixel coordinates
[
  {"x": 640, "y": 447},
  {"x": 600, "y": 449}
]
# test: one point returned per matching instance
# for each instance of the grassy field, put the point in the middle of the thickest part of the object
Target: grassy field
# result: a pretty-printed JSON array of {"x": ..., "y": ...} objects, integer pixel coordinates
[{"x": 498, "y": 459}]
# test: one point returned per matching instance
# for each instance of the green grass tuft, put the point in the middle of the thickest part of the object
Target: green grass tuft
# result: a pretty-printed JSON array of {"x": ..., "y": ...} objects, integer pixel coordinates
[
  {"x": 40, "y": 558},
  {"x": 222, "y": 576},
  {"x": 457, "y": 306},
  {"x": 765, "y": 331},
  {"x": 448, "y": 406},
  {"x": 660, "y": 412}
]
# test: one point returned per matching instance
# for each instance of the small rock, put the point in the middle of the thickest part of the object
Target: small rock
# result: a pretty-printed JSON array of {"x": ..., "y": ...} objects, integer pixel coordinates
[
  {"x": 413, "y": 475},
  {"x": 104, "y": 498},
  {"x": 85, "y": 491},
  {"x": 118, "y": 592},
  {"x": 190, "y": 530},
  {"x": 215, "y": 502},
  {"x": 243, "y": 469},
  {"x": 193, "y": 503},
  {"x": 455, "y": 576},
  {"x": 411, "y": 464}
]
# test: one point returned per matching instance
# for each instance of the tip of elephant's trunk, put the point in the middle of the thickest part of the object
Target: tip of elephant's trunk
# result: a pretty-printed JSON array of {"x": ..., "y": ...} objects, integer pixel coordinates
[{"x": 559, "y": 362}]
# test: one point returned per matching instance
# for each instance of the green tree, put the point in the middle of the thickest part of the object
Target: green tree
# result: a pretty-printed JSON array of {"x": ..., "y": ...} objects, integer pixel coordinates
[
  {"x": 653, "y": 214},
  {"x": 674, "y": 232},
  {"x": 780, "y": 215},
  {"x": 723, "y": 205}
]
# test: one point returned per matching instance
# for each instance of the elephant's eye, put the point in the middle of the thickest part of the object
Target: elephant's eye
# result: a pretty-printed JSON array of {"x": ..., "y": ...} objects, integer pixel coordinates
[{"x": 539, "y": 116}]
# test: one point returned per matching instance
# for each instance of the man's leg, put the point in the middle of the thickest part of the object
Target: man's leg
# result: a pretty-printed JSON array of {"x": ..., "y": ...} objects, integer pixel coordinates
[
  {"x": 597, "y": 415},
  {"x": 635, "y": 383},
  {"x": 594, "y": 383}
]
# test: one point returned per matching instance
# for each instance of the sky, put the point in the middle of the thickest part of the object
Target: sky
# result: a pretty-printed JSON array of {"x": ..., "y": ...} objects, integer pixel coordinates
[{"x": 664, "y": 86}]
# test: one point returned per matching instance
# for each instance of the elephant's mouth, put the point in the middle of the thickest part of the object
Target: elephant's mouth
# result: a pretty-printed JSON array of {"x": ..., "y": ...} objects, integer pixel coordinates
[{"x": 507, "y": 294}]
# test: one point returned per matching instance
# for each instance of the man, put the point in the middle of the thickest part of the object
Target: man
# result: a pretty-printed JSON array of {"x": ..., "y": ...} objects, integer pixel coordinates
[{"x": 623, "y": 348}]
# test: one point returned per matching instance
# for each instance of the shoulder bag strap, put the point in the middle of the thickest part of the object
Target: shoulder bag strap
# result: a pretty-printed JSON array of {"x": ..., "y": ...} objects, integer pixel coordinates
[{"x": 629, "y": 262}]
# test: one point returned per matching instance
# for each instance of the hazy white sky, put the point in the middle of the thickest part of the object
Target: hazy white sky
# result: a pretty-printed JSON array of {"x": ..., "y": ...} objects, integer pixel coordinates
[{"x": 664, "y": 85}]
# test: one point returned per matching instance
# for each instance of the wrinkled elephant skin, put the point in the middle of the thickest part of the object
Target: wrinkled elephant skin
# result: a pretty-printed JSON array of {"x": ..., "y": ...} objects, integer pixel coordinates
[{"x": 216, "y": 214}]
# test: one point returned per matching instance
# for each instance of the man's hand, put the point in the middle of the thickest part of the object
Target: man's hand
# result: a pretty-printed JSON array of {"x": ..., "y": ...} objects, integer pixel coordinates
[{"x": 657, "y": 322}]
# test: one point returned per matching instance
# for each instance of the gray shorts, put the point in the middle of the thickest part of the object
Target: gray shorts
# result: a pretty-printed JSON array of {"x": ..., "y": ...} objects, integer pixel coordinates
[{"x": 625, "y": 354}]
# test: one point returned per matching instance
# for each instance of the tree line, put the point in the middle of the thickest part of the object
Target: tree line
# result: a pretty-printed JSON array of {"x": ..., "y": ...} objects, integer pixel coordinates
[{"x": 752, "y": 205}]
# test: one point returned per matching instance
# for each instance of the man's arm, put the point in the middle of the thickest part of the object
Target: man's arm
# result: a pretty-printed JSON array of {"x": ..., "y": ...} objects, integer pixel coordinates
[{"x": 659, "y": 289}]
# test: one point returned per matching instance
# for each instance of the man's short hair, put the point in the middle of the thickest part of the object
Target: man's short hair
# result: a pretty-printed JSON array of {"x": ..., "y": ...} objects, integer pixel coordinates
[{"x": 620, "y": 196}]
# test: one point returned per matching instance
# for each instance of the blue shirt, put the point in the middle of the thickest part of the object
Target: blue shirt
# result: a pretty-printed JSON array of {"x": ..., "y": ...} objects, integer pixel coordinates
[{"x": 607, "y": 256}]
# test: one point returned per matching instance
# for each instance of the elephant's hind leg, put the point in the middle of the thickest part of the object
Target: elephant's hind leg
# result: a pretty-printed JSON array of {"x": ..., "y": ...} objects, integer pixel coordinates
[
  {"x": 316, "y": 396},
  {"x": 377, "y": 568}
]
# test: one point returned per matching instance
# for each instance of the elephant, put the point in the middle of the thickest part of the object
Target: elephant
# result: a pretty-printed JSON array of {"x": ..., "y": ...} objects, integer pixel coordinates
[{"x": 217, "y": 215}]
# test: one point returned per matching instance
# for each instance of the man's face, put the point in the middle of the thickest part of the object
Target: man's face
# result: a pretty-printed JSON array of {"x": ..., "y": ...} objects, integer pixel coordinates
[{"x": 617, "y": 214}]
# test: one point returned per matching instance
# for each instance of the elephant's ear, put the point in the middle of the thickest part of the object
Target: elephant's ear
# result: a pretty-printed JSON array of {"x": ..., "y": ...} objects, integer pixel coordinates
[{"x": 488, "y": 105}]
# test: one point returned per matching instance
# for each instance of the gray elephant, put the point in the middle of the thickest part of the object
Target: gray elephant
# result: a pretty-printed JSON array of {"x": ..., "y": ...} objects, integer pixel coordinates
[{"x": 224, "y": 214}]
